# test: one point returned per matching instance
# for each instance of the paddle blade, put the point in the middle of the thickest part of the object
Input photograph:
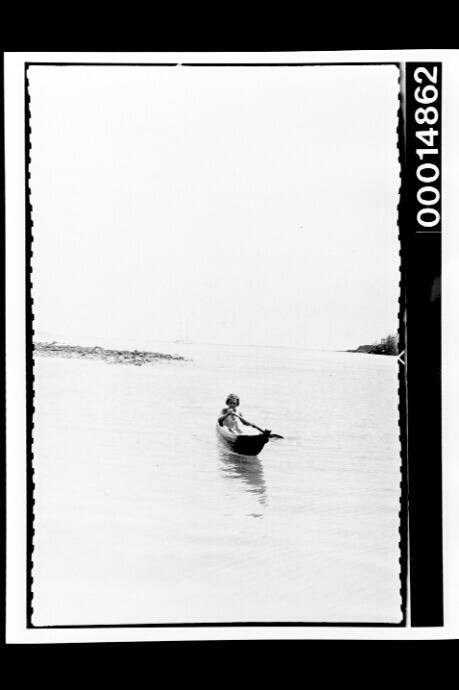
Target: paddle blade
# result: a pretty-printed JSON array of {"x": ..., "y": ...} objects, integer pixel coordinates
[{"x": 275, "y": 436}]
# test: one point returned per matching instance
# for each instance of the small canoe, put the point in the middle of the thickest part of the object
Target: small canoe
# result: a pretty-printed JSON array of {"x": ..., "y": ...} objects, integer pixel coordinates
[{"x": 244, "y": 444}]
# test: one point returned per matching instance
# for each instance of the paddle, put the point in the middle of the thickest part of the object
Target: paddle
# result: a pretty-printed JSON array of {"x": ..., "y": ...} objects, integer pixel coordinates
[{"x": 257, "y": 427}]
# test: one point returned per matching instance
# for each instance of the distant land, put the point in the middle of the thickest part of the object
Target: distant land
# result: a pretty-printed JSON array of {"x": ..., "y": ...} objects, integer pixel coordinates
[
  {"x": 386, "y": 346},
  {"x": 136, "y": 357}
]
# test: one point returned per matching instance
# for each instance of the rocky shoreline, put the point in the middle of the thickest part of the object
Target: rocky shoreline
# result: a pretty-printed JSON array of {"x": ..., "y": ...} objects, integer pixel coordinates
[
  {"x": 370, "y": 350},
  {"x": 386, "y": 346},
  {"x": 136, "y": 357}
]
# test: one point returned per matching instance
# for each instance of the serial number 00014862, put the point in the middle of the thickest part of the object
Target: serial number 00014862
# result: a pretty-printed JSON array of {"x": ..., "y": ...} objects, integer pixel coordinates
[{"x": 427, "y": 171}]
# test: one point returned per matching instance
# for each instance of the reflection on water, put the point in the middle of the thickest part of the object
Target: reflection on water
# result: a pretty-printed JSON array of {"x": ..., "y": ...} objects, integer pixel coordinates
[
  {"x": 140, "y": 519},
  {"x": 246, "y": 468}
]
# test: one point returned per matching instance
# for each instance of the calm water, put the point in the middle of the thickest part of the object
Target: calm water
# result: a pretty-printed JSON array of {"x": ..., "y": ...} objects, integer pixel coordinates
[{"x": 142, "y": 517}]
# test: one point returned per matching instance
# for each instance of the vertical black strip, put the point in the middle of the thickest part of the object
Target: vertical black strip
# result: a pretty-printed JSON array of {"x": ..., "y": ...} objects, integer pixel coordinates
[
  {"x": 402, "y": 384},
  {"x": 3, "y": 363},
  {"x": 29, "y": 348},
  {"x": 422, "y": 228}
]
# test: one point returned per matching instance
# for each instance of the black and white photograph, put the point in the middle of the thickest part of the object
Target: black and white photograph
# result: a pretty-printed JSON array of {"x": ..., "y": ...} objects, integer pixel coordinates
[
  {"x": 216, "y": 432},
  {"x": 217, "y": 345}
]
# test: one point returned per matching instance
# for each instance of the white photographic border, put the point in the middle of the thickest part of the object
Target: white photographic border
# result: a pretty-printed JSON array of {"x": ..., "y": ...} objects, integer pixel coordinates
[{"x": 16, "y": 604}]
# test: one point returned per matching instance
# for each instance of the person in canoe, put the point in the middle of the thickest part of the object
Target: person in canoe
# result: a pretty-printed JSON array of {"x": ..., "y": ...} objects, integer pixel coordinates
[{"x": 230, "y": 417}]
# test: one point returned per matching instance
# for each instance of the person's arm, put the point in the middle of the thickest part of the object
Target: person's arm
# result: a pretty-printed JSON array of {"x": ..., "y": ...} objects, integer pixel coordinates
[
  {"x": 246, "y": 422},
  {"x": 224, "y": 414}
]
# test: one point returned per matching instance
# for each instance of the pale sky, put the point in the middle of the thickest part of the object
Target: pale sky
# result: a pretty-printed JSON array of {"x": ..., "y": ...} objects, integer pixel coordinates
[{"x": 249, "y": 205}]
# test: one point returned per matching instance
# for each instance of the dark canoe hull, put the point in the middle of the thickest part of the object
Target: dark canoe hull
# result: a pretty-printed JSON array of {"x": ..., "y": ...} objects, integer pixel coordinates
[{"x": 243, "y": 443}]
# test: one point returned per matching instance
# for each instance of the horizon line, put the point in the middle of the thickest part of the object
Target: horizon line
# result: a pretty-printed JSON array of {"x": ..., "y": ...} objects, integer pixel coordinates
[{"x": 220, "y": 344}]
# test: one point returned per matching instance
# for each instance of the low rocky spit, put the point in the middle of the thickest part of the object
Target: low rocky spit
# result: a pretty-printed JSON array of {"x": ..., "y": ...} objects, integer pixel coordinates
[{"x": 136, "y": 357}]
